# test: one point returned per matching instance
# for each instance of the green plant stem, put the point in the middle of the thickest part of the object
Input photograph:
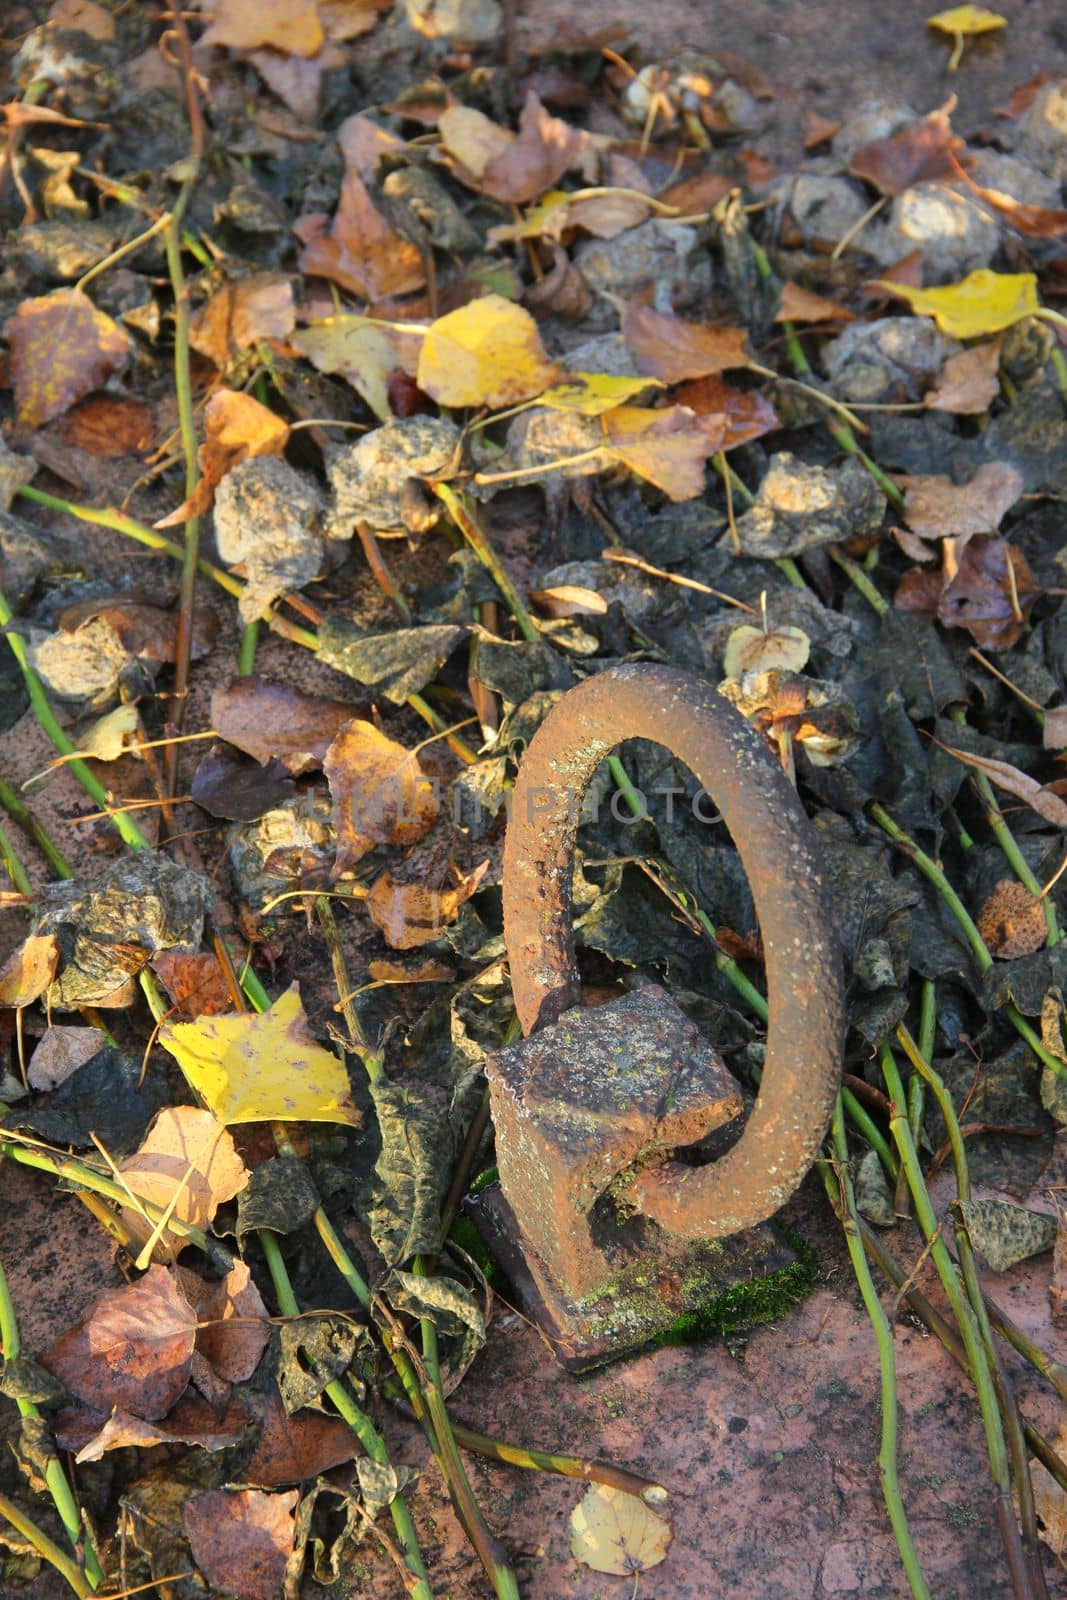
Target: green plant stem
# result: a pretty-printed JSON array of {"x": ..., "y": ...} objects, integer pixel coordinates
[
  {"x": 13, "y": 866},
  {"x": 1006, "y": 839},
  {"x": 246, "y": 658},
  {"x": 128, "y": 830},
  {"x": 791, "y": 572},
  {"x": 870, "y": 1130},
  {"x": 45, "y": 1547},
  {"x": 845, "y": 1204},
  {"x": 54, "y": 1476},
  {"x": 967, "y": 1322},
  {"x": 917, "y": 1088},
  {"x": 461, "y": 514},
  {"x": 1009, "y": 1411},
  {"x": 859, "y": 579},
  {"x": 635, "y": 804},
  {"x": 20, "y": 813},
  {"x": 357, "y": 1420},
  {"x": 934, "y": 874}
]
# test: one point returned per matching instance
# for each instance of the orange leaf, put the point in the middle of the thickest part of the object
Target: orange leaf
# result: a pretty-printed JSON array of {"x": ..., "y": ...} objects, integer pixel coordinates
[
  {"x": 29, "y": 970},
  {"x": 800, "y": 305},
  {"x": 487, "y": 353},
  {"x": 61, "y": 347},
  {"x": 362, "y": 252},
  {"x": 924, "y": 151},
  {"x": 748, "y": 414},
  {"x": 667, "y": 447},
  {"x": 410, "y": 915},
  {"x": 289, "y": 26},
  {"x": 381, "y": 795},
  {"x": 257, "y": 307},
  {"x": 236, "y": 426},
  {"x": 513, "y": 169},
  {"x": 187, "y": 1165},
  {"x": 671, "y": 349}
]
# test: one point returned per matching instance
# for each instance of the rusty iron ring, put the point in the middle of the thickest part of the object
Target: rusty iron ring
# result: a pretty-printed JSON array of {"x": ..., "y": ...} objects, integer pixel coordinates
[{"x": 779, "y": 851}]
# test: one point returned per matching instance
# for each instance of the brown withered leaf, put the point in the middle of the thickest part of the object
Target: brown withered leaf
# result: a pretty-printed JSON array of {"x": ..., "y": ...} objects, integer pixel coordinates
[
  {"x": 991, "y": 595},
  {"x": 1035, "y": 222},
  {"x": 801, "y": 305},
  {"x": 671, "y": 349},
  {"x": 133, "y": 1350},
  {"x": 569, "y": 600},
  {"x": 667, "y": 447},
  {"x": 109, "y": 425},
  {"x": 257, "y": 307},
  {"x": 410, "y": 915},
  {"x": 562, "y": 291},
  {"x": 510, "y": 168},
  {"x": 188, "y": 1166},
  {"x": 267, "y": 719},
  {"x": 236, "y": 426},
  {"x": 1043, "y": 800},
  {"x": 924, "y": 151},
  {"x": 1054, "y": 733},
  {"x": 422, "y": 969},
  {"x": 29, "y": 970},
  {"x": 242, "y": 1539},
  {"x": 348, "y": 19},
  {"x": 230, "y": 785},
  {"x": 289, "y": 26},
  {"x": 937, "y": 508},
  {"x": 381, "y": 795},
  {"x": 362, "y": 252},
  {"x": 701, "y": 192},
  {"x": 294, "y": 1449},
  {"x": 61, "y": 348},
  {"x": 143, "y": 630},
  {"x": 192, "y": 1421},
  {"x": 233, "y": 1324},
  {"x": 748, "y": 413},
  {"x": 1022, "y": 97},
  {"x": 194, "y": 981},
  {"x": 1012, "y": 920},
  {"x": 908, "y": 272},
  {"x": 967, "y": 383}
]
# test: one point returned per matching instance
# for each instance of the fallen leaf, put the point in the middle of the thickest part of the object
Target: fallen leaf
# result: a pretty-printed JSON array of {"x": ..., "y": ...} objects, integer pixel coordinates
[
  {"x": 991, "y": 595},
  {"x": 110, "y": 425},
  {"x": 29, "y": 970},
  {"x": 241, "y": 1539},
  {"x": 1012, "y": 920},
  {"x": 188, "y": 1166},
  {"x": 667, "y": 447},
  {"x": 348, "y": 19},
  {"x": 1054, "y": 736},
  {"x": 751, "y": 649},
  {"x": 233, "y": 1324},
  {"x": 59, "y": 1053},
  {"x": 1044, "y": 801},
  {"x": 801, "y": 305},
  {"x": 266, "y": 719},
  {"x": 289, "y": 26},
  {"x": 569, "y": 600},
  {"x": 193, "y": 1421},
  {"x": 61, "y": 347},
  {"x": 1005, "y": 1233},
  {"x": 141, "y": 629},
  {"x": 488, "y": 353},
  {"x": 236, "y": 426},
  {"x": 671, "y": 349},
  {"x": 110, "y": 737},
  {"x": 410, "y": 915},
  {"x": 381, "y": 795},
  {"x": 512, "y": 169},
  {"x": 616, "y": 1532},
  {"x": 592, "y": 393},
  {"x": 968, "y": 382},
  {"x": 83, "y": 16},
  {"x": 604, "y": 215},
  {"x": 195, "y": 982},
  {"x": 981, "y": 303},
  {"x": 561, "y": 291},
  {"x": 362, "y": 252},
  {"x": 133, "y": 1350},
  {"x": 747, "y": 413},
  {"x": 962, "y": 22},
  {"x": 924, "y": 151},
  {"x": 365, "y": 352},
  {"x": 1050, "y": 1501},
  {"x": 294, "y": 1449},
  {"x": 814, "y": 714},
  {"x": 1022, "y": 96},
  {"x": 242, "y": 311},
  {"x": 937, "y": 508},
  {"x": 252, "y": 1068}
]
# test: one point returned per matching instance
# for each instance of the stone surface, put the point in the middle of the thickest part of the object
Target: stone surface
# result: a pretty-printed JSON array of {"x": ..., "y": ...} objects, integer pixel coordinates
[
  {"x": 825, "y": 208},
  {"x": 955, "y": 233},
  {"x": 369, "y": 478},
  {"x": 869, "y": 359},
  {"x": 267, "y": 518},
  {"x": 874, "y": 119},
  {"x": 662, "y": 254},
  {"x": 1041, "y": 134}
]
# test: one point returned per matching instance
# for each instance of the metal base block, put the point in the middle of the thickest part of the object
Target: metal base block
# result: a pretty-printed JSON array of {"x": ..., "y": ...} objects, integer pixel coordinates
[{"x": 678, "y": 1294}]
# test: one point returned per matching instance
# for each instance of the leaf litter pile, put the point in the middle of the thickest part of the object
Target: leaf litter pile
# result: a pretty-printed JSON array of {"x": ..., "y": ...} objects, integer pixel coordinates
[{"x": 438, "y": 377}]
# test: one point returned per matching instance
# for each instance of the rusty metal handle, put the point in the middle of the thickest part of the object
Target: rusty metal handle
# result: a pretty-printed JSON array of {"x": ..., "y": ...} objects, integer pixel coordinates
[{"x": 779, "y": 851}]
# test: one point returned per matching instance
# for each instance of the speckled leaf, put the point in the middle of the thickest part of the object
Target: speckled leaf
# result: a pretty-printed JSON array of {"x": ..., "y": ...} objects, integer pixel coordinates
[
  {"x": 1005, "y": 1233},
  {"x": 394, "y": 664},
  {"x": 61, "y": 348}
]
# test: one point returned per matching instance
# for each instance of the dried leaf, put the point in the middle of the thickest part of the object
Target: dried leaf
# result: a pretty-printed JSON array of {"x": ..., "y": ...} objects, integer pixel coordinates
[
  {"x": 751, "y": 649},
  {"x": 236, "y": 426},
  {"x": 991, "y": 595},
  {"x": 513, "y": 169},
  {"x": 666, "y": 447},
  {"x": 562, "y": 291},
  {"x": 569, "y": 600},
  {"x": 669, "y": 348},
  {"x": 59, "y": 1054},
  {"x": 1050, "y": 1501},
  {"x": 257, "y": 307},
  {"x": 981, "y": 303},
  {"x": 233, "y": 1325},
  {"x": 109, "y": 738},
  {"x": 381, "y": 794},
  {"x": 195, "y": 983},
  {"x": 937, "y": 508},
  {"x": 61, "y": 347},
  {"x": 29, "y": 970},
  {"x": 110, "y": 425},
  {"x": 967, "y": 383},
  {"x": 241, "y": 1539},
  {"x": 487, "y": 353},
  {"x": 1012, "y": 920},
  {"x": 801, "y": 305},
  {"x": 294, "y": 1449},
  {"x": 289, "y": 26},
  {"x": 365, "y": 352},
  {"x": 746, "y": 412},
  {"x": 616, "y": 1532},
  {"x": 1055, "y": 730},
  {"x": 409, "y": 914},
  {"x": 924, "y": 151},
  {"x": 1044, "y": 801},
  {"x": 133, "y": 1350},
  {"x": 362, "y": 252},
  {"x": 188, "y": 1166},
  {"x": 260, "y": 1068},
  {"x": 267, "y": 719},
  {"x": 192, "y": 1421}
]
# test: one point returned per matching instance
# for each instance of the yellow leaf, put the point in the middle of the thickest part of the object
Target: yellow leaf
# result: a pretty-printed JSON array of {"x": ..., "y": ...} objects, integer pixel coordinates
[
  {"x": 487, "y": 353},
  {"x": 591, "y": 393},
  {"x": 262, "y": 1068},
  {"x": 982, "y": 302},
  {"x": 966, "y": 20},
  {"x": 547, "y": 216},
  {"x": 616, "y": 1532},
  {"x": 107, "y": 739}
]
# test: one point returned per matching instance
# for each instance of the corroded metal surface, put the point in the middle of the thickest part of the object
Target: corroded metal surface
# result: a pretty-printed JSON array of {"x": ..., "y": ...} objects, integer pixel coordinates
[{"x": 779, "y": 851}]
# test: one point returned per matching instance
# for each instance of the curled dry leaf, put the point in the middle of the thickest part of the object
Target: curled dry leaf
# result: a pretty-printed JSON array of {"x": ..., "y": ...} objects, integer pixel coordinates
[
  {"x": 381, "y": 794},
  {"x": 925, "y": 151},
  {"x": 188, "y": 1166},
  {"x": 812, "y": 713},
  {"x": 241, "y": 1539},
  {"x": 133, "y": 1350},
  {"x": 616, "y": 1532},
  {"x": 410, "y": 915},
  {"x": 110, "y": 737},
  {"x": 510, "y": 168},
  {"x": 968, "y": 382},
  {"x": 236, "y": 426},
  {"x": 362, "y": 252},
  {"x": 257, "y": 307},
  {"x": 669, "y": 348},
  {"x": 487, "y": 353},
  {"x": 29, "y": 970},
  {"x": 991, "y": 594},
  {"x": 61, "y": 347},
  {"x": 937, "y": 508},
  {"x": 667, "y": 447},
  {"x": 262, "y": 1068},
  {"x": 193, "y": 1421},
  {"x": 1046, "y": 802}
]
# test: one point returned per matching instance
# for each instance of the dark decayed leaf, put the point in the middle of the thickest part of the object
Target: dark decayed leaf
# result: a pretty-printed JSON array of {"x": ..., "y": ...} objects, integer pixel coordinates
[
  {"x": 798, "y": 506},
  {"x": 312, "y": 1352},
  {"x": 232, "y": 786},
  {"x": 105, "y": 1097},
  {"x": 991, "y": 594},
  {"x": 412, "y": 1172},
  {"x": 923, "y": 151},
  {"x": 1004, "y": 1233},
  {"x": 280, "y": 1196},
  {"x": 395, "y": 664}
]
